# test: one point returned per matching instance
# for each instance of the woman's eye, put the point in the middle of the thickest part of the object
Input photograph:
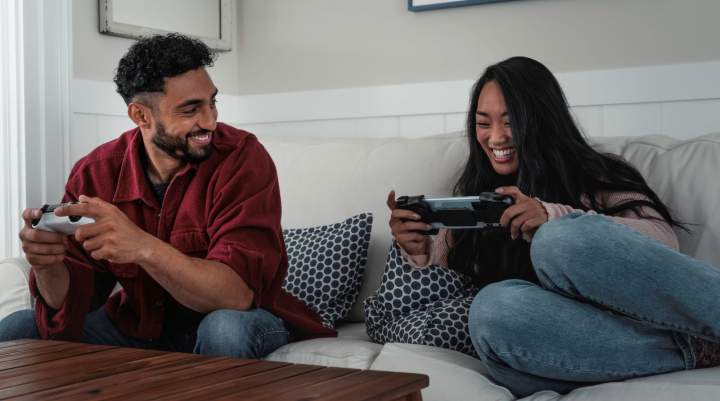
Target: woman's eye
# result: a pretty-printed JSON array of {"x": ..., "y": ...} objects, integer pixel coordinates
[{"x": 483, "y": 125}]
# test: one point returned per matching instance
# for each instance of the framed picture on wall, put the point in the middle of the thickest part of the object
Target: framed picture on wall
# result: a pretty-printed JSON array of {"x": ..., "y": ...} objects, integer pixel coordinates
[
  {"x": 211, "y": 21},
  {"x": 427, "y": 5}
]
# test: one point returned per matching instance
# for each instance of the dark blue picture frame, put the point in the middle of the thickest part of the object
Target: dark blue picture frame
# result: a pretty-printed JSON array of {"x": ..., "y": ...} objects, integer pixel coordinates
[{"x": 449, "y": 4}]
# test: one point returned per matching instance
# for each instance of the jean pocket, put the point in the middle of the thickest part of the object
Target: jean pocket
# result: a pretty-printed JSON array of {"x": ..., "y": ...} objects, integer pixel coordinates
[{"x": 271, "y": 340}]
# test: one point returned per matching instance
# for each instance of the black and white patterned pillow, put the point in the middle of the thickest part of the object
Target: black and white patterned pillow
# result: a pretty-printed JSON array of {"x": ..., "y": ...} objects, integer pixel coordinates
[
  {"x": 427, "y": 306},
  {"x": 326, "y": 265}
]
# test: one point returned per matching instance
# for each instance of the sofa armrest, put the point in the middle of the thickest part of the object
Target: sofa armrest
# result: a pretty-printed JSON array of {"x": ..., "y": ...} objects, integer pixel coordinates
[{"x": 14, "y": 288}]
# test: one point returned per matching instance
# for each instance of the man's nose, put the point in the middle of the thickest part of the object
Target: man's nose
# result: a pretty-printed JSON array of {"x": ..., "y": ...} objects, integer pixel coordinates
[{"x": 208, "y": 119}]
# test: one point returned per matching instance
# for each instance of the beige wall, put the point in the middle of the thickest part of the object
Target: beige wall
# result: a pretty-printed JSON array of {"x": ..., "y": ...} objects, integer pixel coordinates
[{"x": 292, "y": 45}]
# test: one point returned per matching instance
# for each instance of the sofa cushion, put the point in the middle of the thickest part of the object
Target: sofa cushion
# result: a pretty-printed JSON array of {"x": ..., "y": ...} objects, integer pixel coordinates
[
  {"x": 453, "y": 376},
  {"x": 699, "y": 384},
  {"x": 427, "y": 306},
  {"x": 679, "y": 172},
  {"x": 326, "y": 265},
  {"x": 14, "y": 290},
  {"x": 323, "y": 180},
  {"x": 335, "y": 352}
]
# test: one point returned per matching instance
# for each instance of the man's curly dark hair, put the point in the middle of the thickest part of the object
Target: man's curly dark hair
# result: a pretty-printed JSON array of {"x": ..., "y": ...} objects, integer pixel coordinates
[{"x": 149, "y": 61}]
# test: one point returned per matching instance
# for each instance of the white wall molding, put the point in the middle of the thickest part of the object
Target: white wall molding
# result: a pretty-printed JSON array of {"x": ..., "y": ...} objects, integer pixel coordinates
[
  {"x": 654, "y": 84},
  {"x": 677, "y": 100}
]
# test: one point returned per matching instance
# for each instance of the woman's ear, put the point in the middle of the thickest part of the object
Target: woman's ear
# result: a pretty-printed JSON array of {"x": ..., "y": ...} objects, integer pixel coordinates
[{"x": 140, "y": 114}]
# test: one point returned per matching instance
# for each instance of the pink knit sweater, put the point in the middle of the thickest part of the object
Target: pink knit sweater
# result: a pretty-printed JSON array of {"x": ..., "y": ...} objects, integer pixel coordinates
[{"x": 655, "y": 227}]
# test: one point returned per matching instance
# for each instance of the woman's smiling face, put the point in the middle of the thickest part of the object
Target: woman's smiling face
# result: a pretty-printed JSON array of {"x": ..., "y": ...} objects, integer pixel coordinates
[{"x": 492, "y": 129}]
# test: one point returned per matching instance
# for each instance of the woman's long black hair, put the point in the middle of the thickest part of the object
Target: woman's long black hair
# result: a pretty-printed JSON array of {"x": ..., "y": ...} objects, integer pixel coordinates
[{"x": 556, "y": 164}]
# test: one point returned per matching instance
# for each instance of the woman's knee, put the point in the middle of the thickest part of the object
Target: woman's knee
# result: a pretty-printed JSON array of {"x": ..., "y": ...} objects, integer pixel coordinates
[
  {"x": 562, "y": 244},
  {"x": 497, "y": 313},
  {"x": 19, "y": 325}
]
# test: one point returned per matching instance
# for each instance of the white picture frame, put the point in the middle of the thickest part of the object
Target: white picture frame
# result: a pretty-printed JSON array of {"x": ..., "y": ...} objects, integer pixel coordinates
[
  {"x": 428, "y": 5},
  {"x": 155, "y": 17}
]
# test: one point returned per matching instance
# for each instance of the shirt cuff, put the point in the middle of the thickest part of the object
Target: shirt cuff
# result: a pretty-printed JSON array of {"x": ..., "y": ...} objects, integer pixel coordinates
[
  {"x": 65, "y": 323},
  {"x": 557, "y": 210},
  {"x": 417, "y": 261}
]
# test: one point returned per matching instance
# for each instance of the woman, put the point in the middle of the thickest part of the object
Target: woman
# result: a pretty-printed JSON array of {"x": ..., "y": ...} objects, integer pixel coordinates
[{"x": 587, "y": 285}]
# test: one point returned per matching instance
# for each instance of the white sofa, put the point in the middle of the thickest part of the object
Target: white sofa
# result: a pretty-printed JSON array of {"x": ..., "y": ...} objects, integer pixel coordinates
[{"x": 326, "y": 180}]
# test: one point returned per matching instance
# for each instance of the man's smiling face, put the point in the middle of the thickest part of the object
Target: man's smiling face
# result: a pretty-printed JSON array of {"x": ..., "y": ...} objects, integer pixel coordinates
[{"x": 186, "y": 117}]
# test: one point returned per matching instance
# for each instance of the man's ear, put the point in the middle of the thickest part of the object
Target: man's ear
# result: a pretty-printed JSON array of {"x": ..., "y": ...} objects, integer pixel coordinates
[{"x": 140, "y": 114}]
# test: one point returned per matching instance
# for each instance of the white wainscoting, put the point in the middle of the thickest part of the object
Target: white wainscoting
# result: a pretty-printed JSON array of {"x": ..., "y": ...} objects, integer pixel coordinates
[{"x": 680, "y": 100}]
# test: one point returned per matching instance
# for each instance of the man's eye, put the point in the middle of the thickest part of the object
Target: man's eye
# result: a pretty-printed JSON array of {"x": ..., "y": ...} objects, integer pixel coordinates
[{"x": 190, "y": 111}]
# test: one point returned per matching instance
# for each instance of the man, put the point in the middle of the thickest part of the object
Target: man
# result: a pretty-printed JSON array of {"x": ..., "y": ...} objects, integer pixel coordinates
[{"x": 186, "y": 218}]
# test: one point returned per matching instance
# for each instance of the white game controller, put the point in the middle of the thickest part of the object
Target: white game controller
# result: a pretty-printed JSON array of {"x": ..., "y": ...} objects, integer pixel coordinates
[{"x": 59, "y": 224}]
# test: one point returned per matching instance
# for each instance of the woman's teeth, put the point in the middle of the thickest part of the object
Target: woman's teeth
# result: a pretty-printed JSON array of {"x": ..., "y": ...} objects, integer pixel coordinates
[{"x": 503, "y": 153}]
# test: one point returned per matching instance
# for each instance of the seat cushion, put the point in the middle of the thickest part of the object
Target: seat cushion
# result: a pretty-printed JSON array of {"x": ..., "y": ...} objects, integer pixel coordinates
[
  {"x": 453, "y": 375},
  {"x": 701, "y": 384},
  {"x": 335, "y": 352}
]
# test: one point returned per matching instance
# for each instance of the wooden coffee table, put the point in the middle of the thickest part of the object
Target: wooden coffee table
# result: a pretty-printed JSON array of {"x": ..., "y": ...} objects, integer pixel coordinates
[{"x": 48, "y": 370}]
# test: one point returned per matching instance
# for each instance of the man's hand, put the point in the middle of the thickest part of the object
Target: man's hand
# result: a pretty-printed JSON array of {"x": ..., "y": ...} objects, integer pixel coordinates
[
  {"x": 525, "y": 216},
  {"x": 43, "y": 249},
  {"x": 113, "y": 236}
]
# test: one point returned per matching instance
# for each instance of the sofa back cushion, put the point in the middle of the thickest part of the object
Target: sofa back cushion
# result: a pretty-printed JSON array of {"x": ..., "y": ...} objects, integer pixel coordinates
[
  {"x": 684, "y": 174},
  {"x": 323, "y": 180}
]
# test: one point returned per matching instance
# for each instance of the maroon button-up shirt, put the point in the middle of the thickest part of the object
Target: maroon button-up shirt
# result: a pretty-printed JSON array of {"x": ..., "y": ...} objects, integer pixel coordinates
[{"x": 226, "y": 208}]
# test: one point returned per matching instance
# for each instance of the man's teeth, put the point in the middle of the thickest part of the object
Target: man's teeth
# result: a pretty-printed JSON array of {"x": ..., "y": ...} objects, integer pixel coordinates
[{"x": 503, "y": 152}]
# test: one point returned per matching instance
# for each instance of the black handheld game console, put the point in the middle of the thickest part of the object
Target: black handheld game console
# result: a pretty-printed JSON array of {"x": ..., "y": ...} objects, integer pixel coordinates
[{"x": 478, "y": 212}]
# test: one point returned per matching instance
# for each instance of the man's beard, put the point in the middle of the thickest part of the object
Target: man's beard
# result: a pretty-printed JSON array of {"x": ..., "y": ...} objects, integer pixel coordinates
[{"x": 179, "y": 147}]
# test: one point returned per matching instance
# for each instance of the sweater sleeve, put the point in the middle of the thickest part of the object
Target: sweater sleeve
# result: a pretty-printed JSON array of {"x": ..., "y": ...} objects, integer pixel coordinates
[
  {"x": 438, "y": 246},
  {"x": 650, "y": 224}
]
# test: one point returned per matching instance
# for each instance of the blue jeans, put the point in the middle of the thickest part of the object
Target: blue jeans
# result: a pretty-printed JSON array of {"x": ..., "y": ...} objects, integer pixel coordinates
[
  {"x": 248, "y": 334},
  {"x": 612, "y": 304}
]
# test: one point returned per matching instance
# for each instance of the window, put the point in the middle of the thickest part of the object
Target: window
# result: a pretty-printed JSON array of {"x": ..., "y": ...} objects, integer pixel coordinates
[{"x": 12, "y": 146}]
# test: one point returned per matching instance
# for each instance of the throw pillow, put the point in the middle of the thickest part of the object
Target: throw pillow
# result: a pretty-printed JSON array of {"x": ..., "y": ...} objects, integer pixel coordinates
[
  {"x": 326, "y": 265},
  {"x": 427, "y": 306}
]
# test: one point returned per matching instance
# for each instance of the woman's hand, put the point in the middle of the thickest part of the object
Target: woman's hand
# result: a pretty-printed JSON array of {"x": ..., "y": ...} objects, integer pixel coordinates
[
  {"x": 525, "y": 216},
  {"x": 405, "y": 226}
]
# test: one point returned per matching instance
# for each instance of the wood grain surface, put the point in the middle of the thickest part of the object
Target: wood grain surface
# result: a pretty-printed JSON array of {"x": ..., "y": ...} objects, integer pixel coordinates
[{"x": 57, "y": 370}]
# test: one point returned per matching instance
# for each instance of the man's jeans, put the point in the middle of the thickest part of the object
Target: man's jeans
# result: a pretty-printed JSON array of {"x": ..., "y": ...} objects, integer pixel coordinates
[
  {"x": 248, "y": 334},
  {"x": 612, "y": 304}
]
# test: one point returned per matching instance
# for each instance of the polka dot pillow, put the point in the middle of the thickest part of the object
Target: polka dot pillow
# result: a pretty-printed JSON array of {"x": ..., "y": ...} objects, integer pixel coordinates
[
  {"x": 326, "y": 265},
  {"x": 420, "y": 306}
]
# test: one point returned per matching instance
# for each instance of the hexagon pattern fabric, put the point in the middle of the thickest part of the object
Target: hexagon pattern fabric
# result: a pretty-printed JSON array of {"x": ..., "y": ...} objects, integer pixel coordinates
[
  {"x": 420, "y": 306},
  {"x": 326, "y": 265}
]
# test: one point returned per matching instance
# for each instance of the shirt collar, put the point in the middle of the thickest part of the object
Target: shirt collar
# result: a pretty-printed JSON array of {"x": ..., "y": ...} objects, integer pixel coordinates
[{"x": 132, "y": 183}]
